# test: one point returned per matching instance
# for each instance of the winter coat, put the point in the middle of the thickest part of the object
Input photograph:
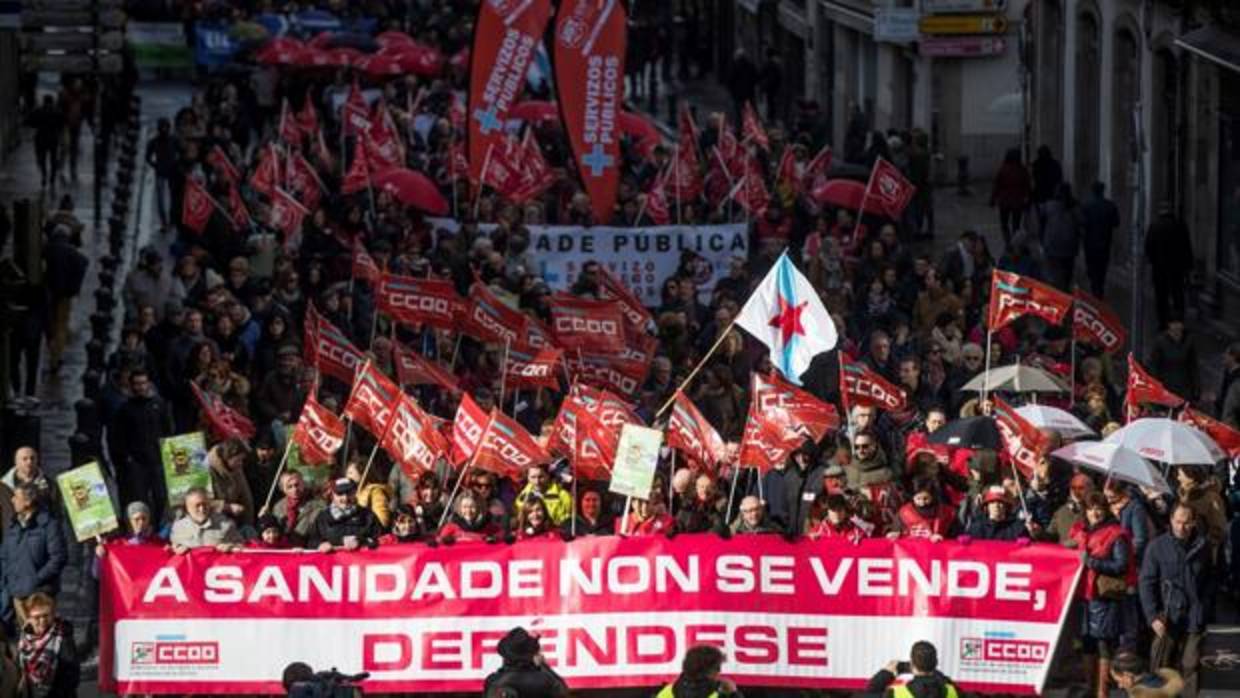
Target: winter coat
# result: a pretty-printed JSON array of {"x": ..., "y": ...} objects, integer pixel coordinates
[
  {"x": 1175, "y": 582},
  {"x": 1136, "y": 521},
  {"x": 66, "y": 268},
  {"x": 32, "y": 556},
  {"x": 695, "y": 688},
  {"x": 603, "y": 526},
  {"x": 1108, "y": 549},
  {"x": 460, "y": 530},
  {"x": 377, "y": 498},
  {"x": 653, "y": 526},
  {"x": 527, "y": 679},
  {"x": 916, "y": 524},
  {"x": 230, "y": 487},
  {"x": 1061, "y": 237},
  {"x": 1101, "y": 217},
  {"x": 1012, "y": 187},
  {"x": 558, "y": 500},
  {"x": 1168, "y": 247},
  {"x": 216, "y": 530},
  {"x": 359, "y": 523},
  {"x": 1176, "y": 365},
  {"x": 983, "y": 528},
  {"x": 1211, "y": 514},
  {"x": 307, "y": 515},
  {"x": 1065, "y": 517}
]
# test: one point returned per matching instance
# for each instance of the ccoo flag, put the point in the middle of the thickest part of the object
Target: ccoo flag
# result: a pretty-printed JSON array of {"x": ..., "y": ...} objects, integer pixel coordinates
[{"x": 786, "y": 314}]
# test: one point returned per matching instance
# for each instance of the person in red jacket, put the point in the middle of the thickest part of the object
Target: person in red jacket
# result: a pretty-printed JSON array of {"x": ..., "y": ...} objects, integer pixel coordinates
[
  {"x": 270, "y": 535},
  {"x": 1011, "y": 193},
  {"x": 534, "y": 523},
  {"x": 646, "y": 518},
  {"x": 839, "y": 522},
  {"x": 926, "y": 516},
  {"x": 404, "y": 527},
  {"x": 1110, "y": 577},
  {"x": 469, "y": 523}
]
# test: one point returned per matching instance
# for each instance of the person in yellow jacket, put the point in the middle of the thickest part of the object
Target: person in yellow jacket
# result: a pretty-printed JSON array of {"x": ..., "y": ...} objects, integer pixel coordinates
[
  {"x": 372, "y": 495},
  {"x": 927, "y": 680},
  {"x": 699, "y": 676},
  {"x": 539, "y": 484}
]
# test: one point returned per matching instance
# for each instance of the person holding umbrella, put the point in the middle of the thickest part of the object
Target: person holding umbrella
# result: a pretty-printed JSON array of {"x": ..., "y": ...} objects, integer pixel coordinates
[{"x": 1110, "y": 572}]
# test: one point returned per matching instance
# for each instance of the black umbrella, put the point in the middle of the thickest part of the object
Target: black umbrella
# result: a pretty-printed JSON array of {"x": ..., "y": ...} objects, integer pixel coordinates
[{"x": 973, "y": 432}]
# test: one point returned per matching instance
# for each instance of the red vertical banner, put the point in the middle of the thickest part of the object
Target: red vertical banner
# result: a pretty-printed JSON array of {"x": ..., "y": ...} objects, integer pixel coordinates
[
  {"x": 590, "y": 39},
  {"x": 506, "y": 37}
]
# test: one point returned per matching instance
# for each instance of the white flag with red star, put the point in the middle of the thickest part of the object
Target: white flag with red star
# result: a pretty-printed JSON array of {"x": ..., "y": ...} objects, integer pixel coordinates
[{"x": 786, "y": 314}]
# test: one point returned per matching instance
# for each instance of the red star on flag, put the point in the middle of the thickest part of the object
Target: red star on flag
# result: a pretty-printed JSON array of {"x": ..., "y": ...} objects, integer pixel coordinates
[{"x": 789, "y": 320}]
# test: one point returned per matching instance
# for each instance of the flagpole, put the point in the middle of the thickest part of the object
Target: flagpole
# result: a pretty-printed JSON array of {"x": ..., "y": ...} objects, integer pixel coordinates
[
  {"x": 693, "y": 374},
  {"x": 503, "y": 372},
  {"x": 671, "y": 493},
  {"x": 465, "y": 472},
  {"x": 572, "y": 525},
  {"x": 736, "y": 474},
  {"x": 369, "y": 461},
  {"x": 271, "y": 491},
  {"x": 1072, "y": 395},
  {"x": 624, "y": 528},
  {"x": 861, "y": 206},
  {"x": 482, "y": 179},
  {"x": 844, "y": 403},
  {"x": 676, "y": 176}
]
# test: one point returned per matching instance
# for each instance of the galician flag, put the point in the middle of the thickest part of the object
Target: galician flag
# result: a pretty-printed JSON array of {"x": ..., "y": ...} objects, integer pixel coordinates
[{"x": 786, "y": 314}]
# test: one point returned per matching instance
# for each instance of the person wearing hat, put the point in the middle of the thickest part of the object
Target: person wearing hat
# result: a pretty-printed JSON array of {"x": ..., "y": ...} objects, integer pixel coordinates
[
  {"x": 344, "y": 524},
  {"x": 837, "y": 520},
  {"x": 270, "y": 534},
  {"x": 524, "y": 673},
  {"x": 997, "y": 522}
]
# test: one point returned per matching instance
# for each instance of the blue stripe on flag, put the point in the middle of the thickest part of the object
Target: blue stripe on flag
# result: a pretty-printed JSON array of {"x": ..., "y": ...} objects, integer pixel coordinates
[{"x": 787, "y": 291}]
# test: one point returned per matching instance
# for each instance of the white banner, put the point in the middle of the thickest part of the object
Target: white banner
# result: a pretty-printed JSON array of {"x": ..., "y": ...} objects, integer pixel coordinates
[{"x": 643, "y": 258}]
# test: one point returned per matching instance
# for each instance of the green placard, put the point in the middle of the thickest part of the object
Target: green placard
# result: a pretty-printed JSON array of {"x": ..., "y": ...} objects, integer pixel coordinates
[
  {"x": 637, "y": 456},
  {"x": 185, "y": 465},
  {"x": 85, "y": 494},
  {"x": 315, "y": 474}
]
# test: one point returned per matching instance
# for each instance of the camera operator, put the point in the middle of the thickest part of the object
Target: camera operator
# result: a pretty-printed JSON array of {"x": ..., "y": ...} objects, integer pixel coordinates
[
  {"x": 301, "y": 681},
  {"x": 524, "y": 674},
  {"x": 927, "y": 681}
]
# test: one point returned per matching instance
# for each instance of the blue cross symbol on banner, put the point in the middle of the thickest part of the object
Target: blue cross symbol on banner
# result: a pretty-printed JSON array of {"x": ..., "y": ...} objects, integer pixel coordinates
[
  {"x": 487, "y": 120},
  {"x": 597, "y": 160}
]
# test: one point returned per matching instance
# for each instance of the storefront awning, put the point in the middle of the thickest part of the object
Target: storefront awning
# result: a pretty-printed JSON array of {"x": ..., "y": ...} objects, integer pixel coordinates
[
  {"x": 852, "y": 17},
  {"x": 1213, "y": 44}
]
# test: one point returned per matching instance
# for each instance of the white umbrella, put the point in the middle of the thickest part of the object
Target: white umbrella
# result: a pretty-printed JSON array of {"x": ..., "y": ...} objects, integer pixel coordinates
[
  {"x": 1115, "y": 461},
  {"x": 1168, "y": 441},
  {"x": 1016, "y": 378},
  {"x": 1056, "y": 420}
]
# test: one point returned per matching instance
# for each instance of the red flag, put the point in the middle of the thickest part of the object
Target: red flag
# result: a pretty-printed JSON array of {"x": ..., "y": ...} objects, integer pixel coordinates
[
  {"x": 528, "y": 367},
  {"x": 807, "y": 416},
  {"x": 788, "y": 176},
  {"x": 329, "y": 350},
  {"x": 415, "y": 369},
  {"x": 371, "y": 400},
  {"x": 384, "y": 144},
  {"x": 1226, "y": 436},
  {"x": 750, "y": 191},
  {"x": 587, "y": 325},
  {"x": 458, "y": 163},
  {"x": 1013, "y": 295},
  {"x": 238, "y": 214},
  {"x": 817, "y": 169},
  {"x": 319, "y": 433},
  {"x": 304, "y": 181},
  {"x": 613, "y": 372},
  {"x": 471, "y": 420},
  {"x": 590, "y": 39},
  {"x": 1024, "y": 443},
  {"x": 689, "y": 431},
  {"x": 507, "y": 34},
  {"x": 289, "y": 131},
  {"x": 355, "y": 114},
  {"x": 364, "y": 266},
  {"x": 267, "y": 172},
  {"x": 1144, "y": 389},
  {"x": 1095, "y": 323},
  {"x": 196, "y": 206},
  {"x": 219, "y": 162},
  {"x": 587, "y": 429},
  {"x": 594, "y": 446},
  {"x": 286, "y": 213},
  {"x": 358, "y": 176},
  {"x": 890, "y": 187},
  {"x": 308, "y": 117},
  {"x": 635, "y": 314},
  {"x": 537, "y": 335},
  {"x": 533, "y": 174},
  {"x": 751, "y": 126},
  {"x": 682, "y": 180},
  {"x": 222, "y": 420},
  {"x": 413, "y": 301},
  {"x": 507, "y": 449},
  {"x": 656, "y": 203},
  {"x": 489, "y": 319},
  {"x": 767, "y": 439},
  {"x": 323, "y": 154},
  {"x": 687, "y": 133},
  {"x": 411, "y": 439},
  {"x": 859, "y": 385}
]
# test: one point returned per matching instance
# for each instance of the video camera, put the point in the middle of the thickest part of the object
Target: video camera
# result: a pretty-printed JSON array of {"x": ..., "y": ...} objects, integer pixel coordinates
[{"x": 324, "y": 684}]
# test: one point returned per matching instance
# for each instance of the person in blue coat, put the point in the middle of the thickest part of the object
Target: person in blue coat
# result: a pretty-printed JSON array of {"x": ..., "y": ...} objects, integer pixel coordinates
[{"x": 32, "y": 555}]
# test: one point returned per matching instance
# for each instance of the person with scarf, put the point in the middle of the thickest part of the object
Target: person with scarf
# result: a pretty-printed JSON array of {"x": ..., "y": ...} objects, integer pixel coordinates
[
  {"x": 591, "y": 519},
  {"x": 1110, "y": 575},
  {"x": 298, "y": 510},
  {"x": 839, "y": 523},
  {"x": 469, "y": 523},
  {"x": 534, "y": 523},
  {"x": 344, "y": 524},
  {"x": 404, "y": 527},
  {"x": 47, "y": 657},
  {"x": 925, "y": 516}
]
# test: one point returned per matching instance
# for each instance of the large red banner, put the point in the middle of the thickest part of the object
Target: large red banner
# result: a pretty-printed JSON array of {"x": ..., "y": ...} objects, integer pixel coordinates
[
  {"x": 506, "y": 36},
  {"x": 610, "y": 611},
  {"x": 590, "y": 39}
]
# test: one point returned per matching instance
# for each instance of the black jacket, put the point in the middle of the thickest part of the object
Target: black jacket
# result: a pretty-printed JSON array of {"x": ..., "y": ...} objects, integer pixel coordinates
[
  {"x": 361, "y": 522},
  {"x": 605, "y": 526},
  {"x": 529, "y": 680},
  {"x": 32, "y": 556},
  {"x": 66, "y": 268},
  {"x": 134, "y": 437},
  {"x": 1175, "y": 582},
  {"x": 1011, "y": 528},
  {"x": 928, "y": 686}
]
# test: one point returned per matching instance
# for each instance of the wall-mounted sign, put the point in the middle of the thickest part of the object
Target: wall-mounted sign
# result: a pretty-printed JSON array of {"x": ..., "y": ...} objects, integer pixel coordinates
[
  {"x": 964, "y": 24},
  {"x": 897, "y": 25},
  {"x": 962, "y": 47},
  {"x": 935, "y": 6}
]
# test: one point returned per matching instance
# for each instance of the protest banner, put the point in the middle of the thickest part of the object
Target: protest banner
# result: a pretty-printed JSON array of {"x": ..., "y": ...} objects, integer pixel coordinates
[
  {"x": 637, "y": 456},
  {"x": 610, "y": 611},
  {"x": 185, "y": 465},
  {"x": 87, "y": 502},
  {"x": 641, "y": 258}
]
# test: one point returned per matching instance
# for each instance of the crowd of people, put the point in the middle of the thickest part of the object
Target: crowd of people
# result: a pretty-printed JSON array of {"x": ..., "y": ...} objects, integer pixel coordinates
[{"x": 221, "y": 308}]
